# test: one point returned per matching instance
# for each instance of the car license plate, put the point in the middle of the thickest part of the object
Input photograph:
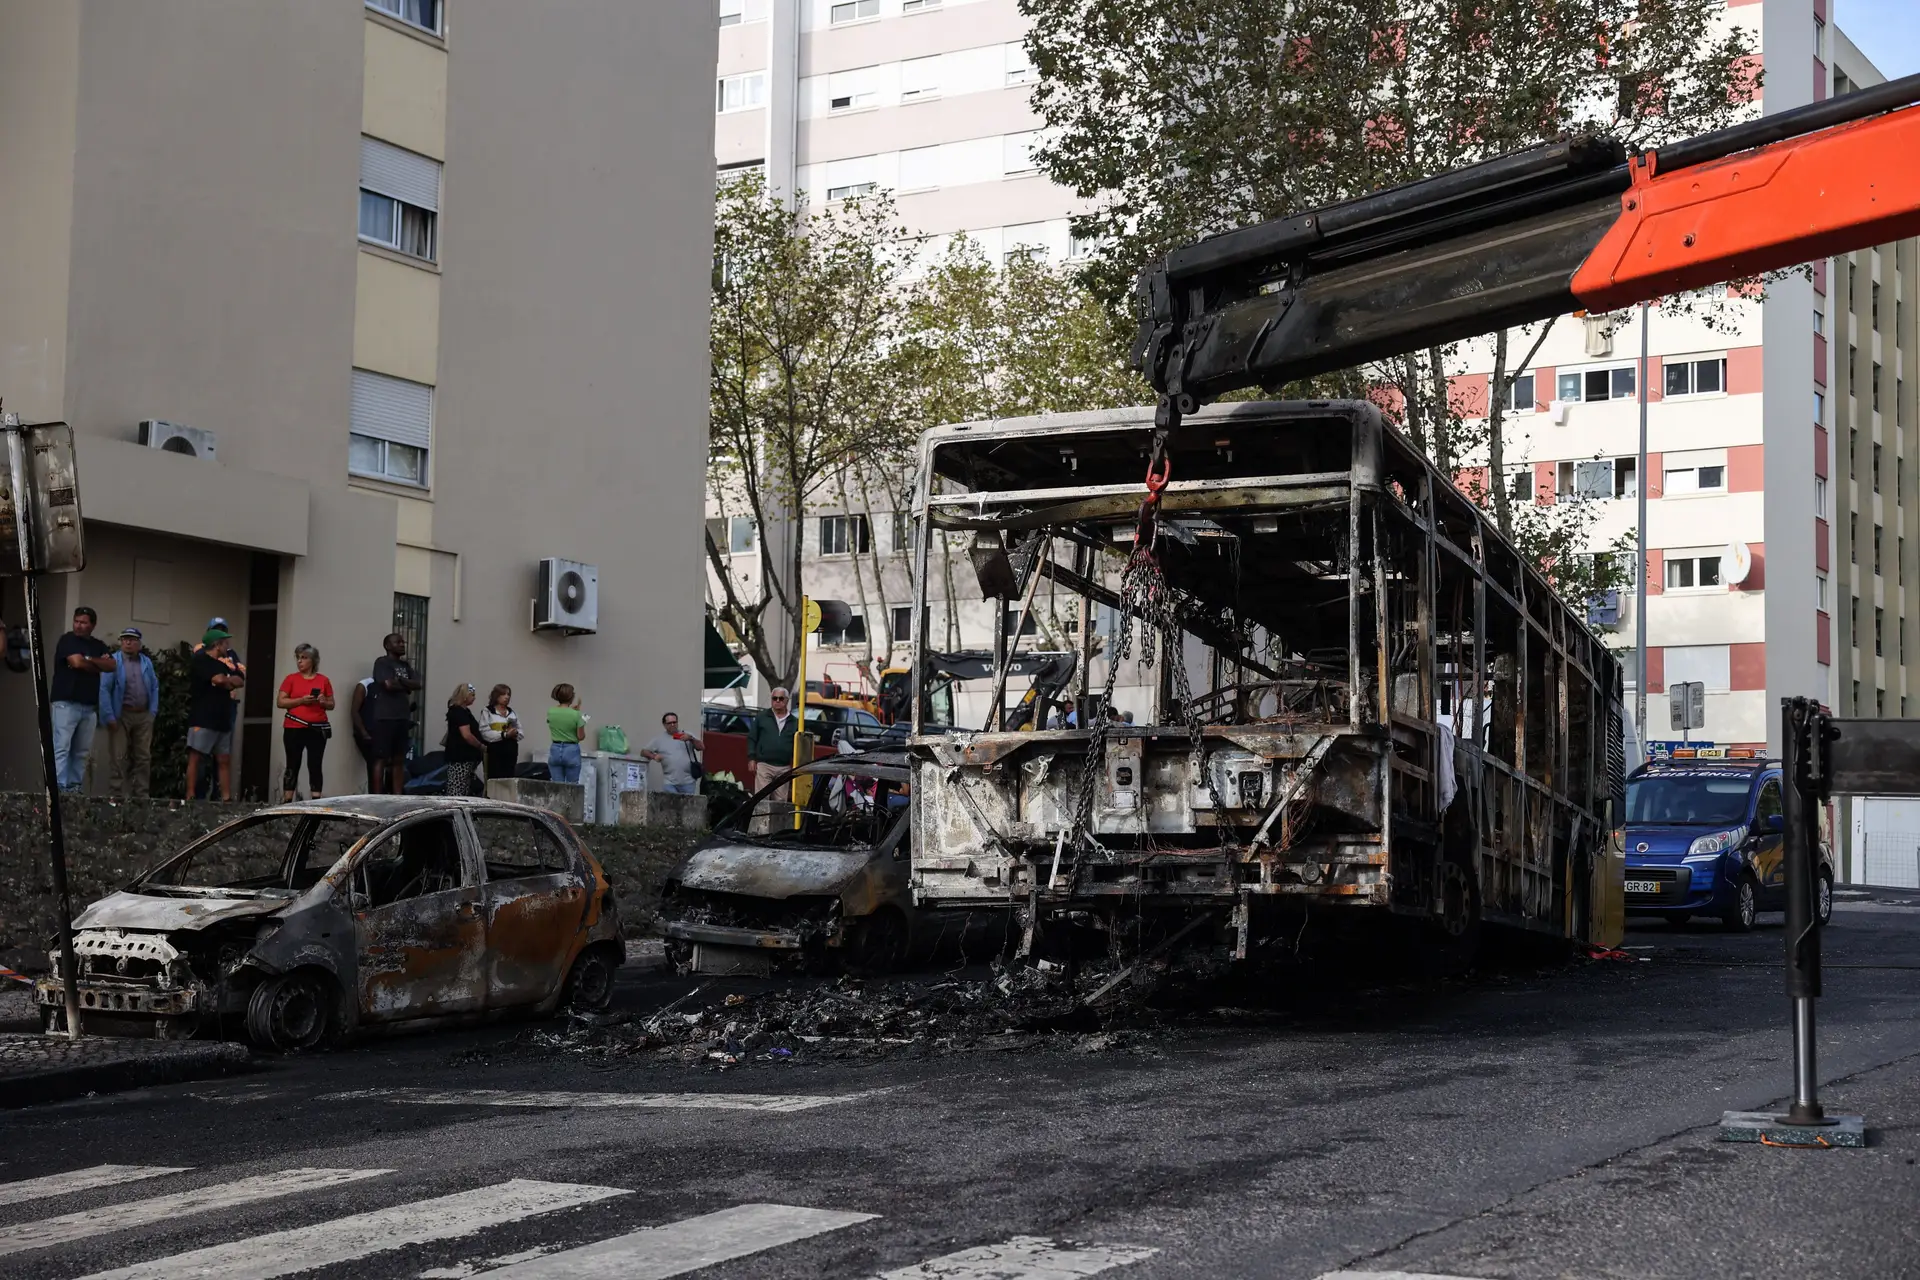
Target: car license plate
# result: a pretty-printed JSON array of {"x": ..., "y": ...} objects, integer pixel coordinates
[{"x": 1643, "y": 886}]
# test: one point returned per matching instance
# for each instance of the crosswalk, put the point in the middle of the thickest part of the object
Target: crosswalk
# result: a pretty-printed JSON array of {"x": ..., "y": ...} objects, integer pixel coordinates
[{"x": 461, "y": 1219}]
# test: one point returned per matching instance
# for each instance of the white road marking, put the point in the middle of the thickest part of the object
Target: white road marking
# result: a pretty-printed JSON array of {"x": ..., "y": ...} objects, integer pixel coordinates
[
  {"x": 560, "y": 1099},
  {"x": 100, "y": 1175},
  {"x": 687, "y": 1245},
  {"x": 1389, "y": 1275},
  {"x": 67, "y": 1227},
  {"x": 285, "y": 1253},
  {"x": 1024, "y": 1258}
]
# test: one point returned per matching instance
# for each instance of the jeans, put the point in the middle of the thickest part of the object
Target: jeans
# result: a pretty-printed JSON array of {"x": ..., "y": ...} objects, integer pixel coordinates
[
  {"x": 563, "y": 762},
  {"x": 73, "y": 726},
  {"x": 682, "y": 788}
]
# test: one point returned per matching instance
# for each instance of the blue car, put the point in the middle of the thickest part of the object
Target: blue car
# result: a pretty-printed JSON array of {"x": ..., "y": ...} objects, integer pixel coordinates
[{"x": 1704, "y": 837}]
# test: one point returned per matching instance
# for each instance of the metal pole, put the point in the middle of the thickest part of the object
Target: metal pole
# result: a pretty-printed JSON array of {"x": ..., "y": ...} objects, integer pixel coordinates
[
  {"x": 24, "y": 523},
  {"x": 1641, "y": 480},
  {"x": 1799, "y": 722}
]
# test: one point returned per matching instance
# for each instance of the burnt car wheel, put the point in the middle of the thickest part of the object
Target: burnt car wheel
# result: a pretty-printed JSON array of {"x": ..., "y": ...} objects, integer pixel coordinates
[
  {"x": 590, "y": 984},
  {"x": 877, "y": 944},
  {"x": 291, "y": 1013}
]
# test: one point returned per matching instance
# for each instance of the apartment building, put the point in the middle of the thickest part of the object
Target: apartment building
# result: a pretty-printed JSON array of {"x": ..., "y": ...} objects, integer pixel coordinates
[
  {"x": 1782, "y": 545},
  {"x": 405, "y": 287}
]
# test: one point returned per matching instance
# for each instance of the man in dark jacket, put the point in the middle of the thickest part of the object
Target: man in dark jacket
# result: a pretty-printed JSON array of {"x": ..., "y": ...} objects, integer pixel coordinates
[{"x": 770, "y": 737}]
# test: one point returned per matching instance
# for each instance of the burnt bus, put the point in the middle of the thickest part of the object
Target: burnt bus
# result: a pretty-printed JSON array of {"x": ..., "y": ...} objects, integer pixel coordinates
[{"x": 1364, "y": 699}]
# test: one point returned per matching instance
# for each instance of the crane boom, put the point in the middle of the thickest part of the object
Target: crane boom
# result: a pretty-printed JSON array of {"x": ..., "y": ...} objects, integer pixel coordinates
[{"x": 1575, "y": 223}]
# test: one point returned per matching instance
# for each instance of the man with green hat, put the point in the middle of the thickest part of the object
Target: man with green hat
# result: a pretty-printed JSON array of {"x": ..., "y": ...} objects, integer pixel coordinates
[{"x": 212, "y": 678}]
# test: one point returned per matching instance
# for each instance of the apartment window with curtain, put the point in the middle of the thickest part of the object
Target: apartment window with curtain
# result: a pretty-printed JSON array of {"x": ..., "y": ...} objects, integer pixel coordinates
[
  {"x": 844, "y": 535},
  {"x": 743, "y": 92},
  {"x": 1520, "y": 394},
  {"x": 399, "y": 199},
  {"x": 1597, "y": 384},
  {"x": 424, "y": 14},
  {"x": 392, "y": 428}
]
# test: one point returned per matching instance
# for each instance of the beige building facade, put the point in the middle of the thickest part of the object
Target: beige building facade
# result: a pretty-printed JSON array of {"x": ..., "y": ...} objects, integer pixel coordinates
[{"x": 429, "y": 274}]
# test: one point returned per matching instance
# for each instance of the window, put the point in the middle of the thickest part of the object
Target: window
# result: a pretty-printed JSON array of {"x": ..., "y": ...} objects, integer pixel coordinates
[
  {"x": 420, "y": 858},
  {"x": 732, "y": 12},
  {"x": 919, "y": 168},
  {"x": 920, "y": 78},
  {"x": 1876, "y": 388},
  {"x": 855, "y": 632},
  {"x": 742, "y": 533},
  {"x": 1819, "y": 407},
  {"x": 1853, "y": 451},
  {"x": 1853, "y": 537},
  {"x": 1876, "y": 468},
  {"x": 1879, "y": 624},
  {"x": 1856, "y": 697},
  {"x": 1874, "y": 310},
  {"x": 918, "y": 6},
  {"x": 1696, "y": 377},
  {"x": 1692, "y": 573},
  {"x": 516, "y": 847},
  {"x": 1879, "y": 702},
  {"x": 1876, "y": 548},
  {"x": 1520, "y": 484},
  {"x": 1900, "y": 629},
  {"x": 843, "y": 535},
  {"x": 424, "y": 14},
  {"x": 1820, "y": 496},
  {"x": 1819, "y": 321},
  {"x": 392, "y": 426},
  {"x": 902, "y": 533},
  {"x": 399, "y": 198},
  {"x": 1704, "y": 479},
  {"x": 1081, "y": 247},
  {"x": 729, "y": 173},
  {"x": 1025, "y": 241},
  {"x": 1019, "y": 66},
  {"x": 1820, "y": 591},
  {"x": 1597, "y": 384},
  {"x": 1853, "y": 621},
  {"x": 1710, "y": 664},
  {"x": 900, "y": 625},
  {"x": 1029, "y": 625},
  {"x": 853, "y": 10},
  {"x": 853, "y": 90},
  {"x": 1520, "y": 394},
  {"x": 1600, "y": 478},
  {"x": 1017, "y": 152},
  {"x": 743, "y": 92}
]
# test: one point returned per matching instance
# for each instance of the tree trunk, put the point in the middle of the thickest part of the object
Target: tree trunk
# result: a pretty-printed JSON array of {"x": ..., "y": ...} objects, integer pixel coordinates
[
  {"x": 1496, "y": 442},
  {"x": 1441, "y": 411}
]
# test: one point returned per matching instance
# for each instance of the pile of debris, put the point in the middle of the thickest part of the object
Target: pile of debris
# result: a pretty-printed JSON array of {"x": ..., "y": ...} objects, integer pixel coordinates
[{"x": 1012, "y": 1007}]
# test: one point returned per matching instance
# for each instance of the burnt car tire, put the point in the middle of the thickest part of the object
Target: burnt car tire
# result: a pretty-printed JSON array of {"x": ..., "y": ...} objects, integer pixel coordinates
[
  {"x": 877, "y": 944},
  {"x": 292, "y": 1013},
  {"x": 590, "y": 982}
]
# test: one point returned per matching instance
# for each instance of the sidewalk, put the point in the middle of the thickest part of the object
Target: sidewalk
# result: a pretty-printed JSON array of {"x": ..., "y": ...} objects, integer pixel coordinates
[{"x": 37, "y": 1068}]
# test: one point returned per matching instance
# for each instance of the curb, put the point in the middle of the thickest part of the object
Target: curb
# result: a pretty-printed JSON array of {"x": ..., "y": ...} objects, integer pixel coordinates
[{"x": 140, "y": 1071}]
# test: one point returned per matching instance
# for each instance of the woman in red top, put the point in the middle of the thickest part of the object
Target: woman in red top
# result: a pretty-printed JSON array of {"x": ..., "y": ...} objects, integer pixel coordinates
[{"x": 306, "y": 696}]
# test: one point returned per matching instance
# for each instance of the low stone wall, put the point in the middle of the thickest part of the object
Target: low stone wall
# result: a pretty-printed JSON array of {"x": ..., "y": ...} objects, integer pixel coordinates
[{"x": 109, "y": 842}]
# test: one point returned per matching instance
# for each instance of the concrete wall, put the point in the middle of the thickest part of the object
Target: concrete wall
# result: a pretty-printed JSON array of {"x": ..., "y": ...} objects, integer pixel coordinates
[{"x": 573, "y": 341}]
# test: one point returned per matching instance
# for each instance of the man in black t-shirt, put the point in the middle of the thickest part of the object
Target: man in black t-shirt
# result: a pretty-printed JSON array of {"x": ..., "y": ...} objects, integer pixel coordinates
[
  {"x": 389, "y": 713},
  {"x": 78, "y": 659},
  {"x": 211, "y": 679}
]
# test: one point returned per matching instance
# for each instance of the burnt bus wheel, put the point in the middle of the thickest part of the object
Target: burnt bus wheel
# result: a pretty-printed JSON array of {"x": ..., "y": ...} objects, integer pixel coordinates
[
  {"x": 1455, "y": 928},
  {"x": 291, "y": 1013},
  {"x": 877, "y": 944}
]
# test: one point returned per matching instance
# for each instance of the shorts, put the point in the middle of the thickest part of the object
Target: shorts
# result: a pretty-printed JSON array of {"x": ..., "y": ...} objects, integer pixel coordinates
[
  {"x": 391, "y": 738},
  {"x": 210, "y": 742}
]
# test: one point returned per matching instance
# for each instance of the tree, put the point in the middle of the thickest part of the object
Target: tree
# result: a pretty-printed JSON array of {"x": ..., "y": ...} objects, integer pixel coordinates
[
  {"x": 1180, "y": 118},
  {"x": 806, "y": 321}
]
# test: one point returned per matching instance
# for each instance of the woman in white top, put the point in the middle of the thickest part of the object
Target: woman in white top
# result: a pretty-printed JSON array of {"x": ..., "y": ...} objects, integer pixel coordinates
[{"x": 500, "y": 730}]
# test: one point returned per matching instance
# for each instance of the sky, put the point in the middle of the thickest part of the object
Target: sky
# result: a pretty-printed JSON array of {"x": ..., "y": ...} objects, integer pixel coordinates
[{"x": 1887, "y": 31}]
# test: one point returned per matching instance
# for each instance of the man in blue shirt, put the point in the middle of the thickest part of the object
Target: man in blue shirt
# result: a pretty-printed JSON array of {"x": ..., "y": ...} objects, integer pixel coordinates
[{"x": 129, "y": 700}]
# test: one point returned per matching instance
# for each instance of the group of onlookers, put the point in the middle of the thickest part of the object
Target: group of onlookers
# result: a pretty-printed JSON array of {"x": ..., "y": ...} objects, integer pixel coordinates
[{"x": 94, "y": 687}]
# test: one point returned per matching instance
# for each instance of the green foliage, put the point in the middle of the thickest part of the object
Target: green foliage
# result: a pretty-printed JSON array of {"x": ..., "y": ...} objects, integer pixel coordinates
[{"x": 172, "y": 667}]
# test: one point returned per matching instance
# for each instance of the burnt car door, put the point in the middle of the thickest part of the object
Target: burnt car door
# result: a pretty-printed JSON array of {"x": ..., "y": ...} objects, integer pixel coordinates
[
  {"x": 536, "y": 901},
  {"x": 417, "y": 894}
]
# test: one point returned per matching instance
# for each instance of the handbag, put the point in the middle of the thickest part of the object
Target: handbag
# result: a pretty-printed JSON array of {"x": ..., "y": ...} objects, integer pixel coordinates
[
  {"x": 613, "y": 739},
  {"x": 698, "y": 770}
]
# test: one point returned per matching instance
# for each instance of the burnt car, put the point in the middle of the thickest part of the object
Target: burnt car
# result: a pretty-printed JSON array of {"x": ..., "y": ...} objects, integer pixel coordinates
[
  {"x": 310, "y": 922},
  {"x": 818, "y": 882}
]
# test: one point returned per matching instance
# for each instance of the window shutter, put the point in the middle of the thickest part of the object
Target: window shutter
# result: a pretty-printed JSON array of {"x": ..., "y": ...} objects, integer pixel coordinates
[
  {"x": 403, "y": 175},
  {"x": 392, "y": 409}
]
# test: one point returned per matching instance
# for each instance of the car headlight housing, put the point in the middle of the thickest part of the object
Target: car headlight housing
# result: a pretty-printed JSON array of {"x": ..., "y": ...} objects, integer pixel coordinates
[{"x": 1716, "y": 844}]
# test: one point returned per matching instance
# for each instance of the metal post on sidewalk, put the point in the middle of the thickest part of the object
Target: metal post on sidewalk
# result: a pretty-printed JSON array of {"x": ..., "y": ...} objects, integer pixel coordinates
[
  {"x": 1640, "y": 553},
  {"x": 27, "y": 517}
]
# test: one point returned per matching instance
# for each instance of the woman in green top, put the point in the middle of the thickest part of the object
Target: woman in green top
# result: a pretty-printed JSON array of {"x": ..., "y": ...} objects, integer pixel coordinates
[{"x": 568, "y": 729}]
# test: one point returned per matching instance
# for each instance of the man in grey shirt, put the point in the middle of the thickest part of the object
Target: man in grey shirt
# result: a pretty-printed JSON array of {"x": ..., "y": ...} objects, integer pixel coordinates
[{"x": 678, "y": 754}]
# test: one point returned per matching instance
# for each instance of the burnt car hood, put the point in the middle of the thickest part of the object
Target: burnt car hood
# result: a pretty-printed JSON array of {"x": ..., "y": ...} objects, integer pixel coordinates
[
  {"x": 152, "y": 912},
  {"x": 763, "y": 871}
]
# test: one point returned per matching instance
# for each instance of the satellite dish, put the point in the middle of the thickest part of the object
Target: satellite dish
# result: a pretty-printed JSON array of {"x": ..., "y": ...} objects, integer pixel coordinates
[{"x": 1736, "y": 563}]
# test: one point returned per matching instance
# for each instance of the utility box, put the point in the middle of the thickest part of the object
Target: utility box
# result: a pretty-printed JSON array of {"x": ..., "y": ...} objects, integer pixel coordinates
[{"x": 605, "y": 776}]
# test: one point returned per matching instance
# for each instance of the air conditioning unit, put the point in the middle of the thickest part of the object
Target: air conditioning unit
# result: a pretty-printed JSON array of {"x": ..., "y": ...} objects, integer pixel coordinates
[
  {"x": 569, "y": 597},
  {"x": 171, "y": 437}
]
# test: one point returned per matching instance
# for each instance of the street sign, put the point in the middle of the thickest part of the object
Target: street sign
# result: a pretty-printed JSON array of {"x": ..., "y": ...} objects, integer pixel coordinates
[
  {"x": 39, "y": 461},
  {"x": 1687, "y": 704}
]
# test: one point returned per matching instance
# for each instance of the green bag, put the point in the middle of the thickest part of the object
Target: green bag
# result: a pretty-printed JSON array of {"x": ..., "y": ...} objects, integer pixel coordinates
[{"x": 613, "y": 739}]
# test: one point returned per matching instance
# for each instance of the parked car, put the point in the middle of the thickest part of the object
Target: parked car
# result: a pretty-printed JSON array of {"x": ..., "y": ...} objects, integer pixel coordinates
[
  {"x": 723, "y": 728},
  {"x": 1704, "y": 837},
  {"x": 830, "y": 887},
  {"x": 310, "y": 922}
]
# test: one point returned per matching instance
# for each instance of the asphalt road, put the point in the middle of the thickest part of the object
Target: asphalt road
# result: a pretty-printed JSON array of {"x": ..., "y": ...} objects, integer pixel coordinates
[{"x": 1517, "y": 1124}]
